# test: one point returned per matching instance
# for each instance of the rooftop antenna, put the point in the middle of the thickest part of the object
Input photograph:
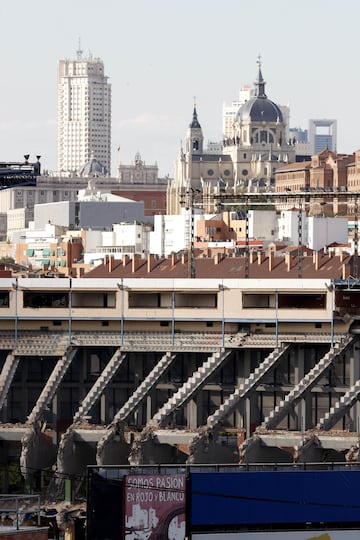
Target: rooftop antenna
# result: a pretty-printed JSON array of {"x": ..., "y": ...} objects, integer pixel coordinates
[{"x": 79, "y": 52}]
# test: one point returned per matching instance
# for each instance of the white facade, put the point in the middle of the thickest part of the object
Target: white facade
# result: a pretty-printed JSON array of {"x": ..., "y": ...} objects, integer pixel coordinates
[
  {"x": 262, "y": 224},
  {"x": 171, "y": 233},
  {"x": 38, "y": 240},
  {"x": 84, "y": 114},
  {"x": 288, "y": 227},
  {"x": 317, "y": 232},
  {"x": 325, "y": 231},
  {"x": 123, "y": 239}
]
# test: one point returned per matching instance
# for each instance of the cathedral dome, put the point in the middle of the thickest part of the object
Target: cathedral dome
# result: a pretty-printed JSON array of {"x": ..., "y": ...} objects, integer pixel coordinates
[{"x": 260, "y": 108}]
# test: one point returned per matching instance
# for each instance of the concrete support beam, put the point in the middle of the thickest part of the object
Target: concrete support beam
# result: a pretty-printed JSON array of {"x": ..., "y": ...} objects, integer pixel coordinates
[{"x": 191, "y": 409}]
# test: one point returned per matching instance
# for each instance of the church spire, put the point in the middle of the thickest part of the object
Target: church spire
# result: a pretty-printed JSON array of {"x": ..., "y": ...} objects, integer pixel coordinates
[
  {"x": 195, "y": 122},
  {"x": 194, "y": 137},
  {"x": 260, "y": 83}
]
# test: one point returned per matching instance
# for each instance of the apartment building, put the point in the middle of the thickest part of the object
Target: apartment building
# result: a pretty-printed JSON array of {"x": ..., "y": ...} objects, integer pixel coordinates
[{"x": 84, "y": 114}]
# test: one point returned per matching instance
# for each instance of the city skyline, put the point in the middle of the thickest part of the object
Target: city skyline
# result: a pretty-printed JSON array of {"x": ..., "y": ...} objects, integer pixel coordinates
[{"x": 161, "y": 56}]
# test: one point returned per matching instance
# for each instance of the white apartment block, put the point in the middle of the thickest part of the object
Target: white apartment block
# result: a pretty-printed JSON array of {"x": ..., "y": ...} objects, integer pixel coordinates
[
  {"x": 317, "y": 232},
  {"x": 123, "y": 239},
  {"x": 172, "y": 233},
  {"x": 84, "y": 114},
  {"x": 262, "y": 224}
]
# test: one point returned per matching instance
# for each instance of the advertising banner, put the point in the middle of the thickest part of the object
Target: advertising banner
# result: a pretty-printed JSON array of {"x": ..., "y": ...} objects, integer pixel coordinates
[{"x": 154, "y": 506}]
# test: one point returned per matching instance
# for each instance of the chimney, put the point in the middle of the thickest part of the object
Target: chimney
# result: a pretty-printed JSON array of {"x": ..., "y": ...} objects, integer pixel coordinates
[
  {"x": 124, "y": 259},
  {"x": 271, "y": 260},
  {"x": 226, "y": 218},
  {"x": 317, "y": 260},
  {"x": 252, "y": 256},
  {"x": 111, "y": 263},
  {"x": 183, "y": 258},
  {"x": 345, "y": 271},
  {"x": 216, "y": 258},
  {"x": 135, "y": 263},
  {"x": 288, "y": 261},
  {"x": 173, "y": 260},
  {"x": 150, "y": 263},
  {"x": 260, "y": 257}
]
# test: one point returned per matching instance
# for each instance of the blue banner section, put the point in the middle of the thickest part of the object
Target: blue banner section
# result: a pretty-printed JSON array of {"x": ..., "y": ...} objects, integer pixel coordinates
[{"x": 240, "y": 498}]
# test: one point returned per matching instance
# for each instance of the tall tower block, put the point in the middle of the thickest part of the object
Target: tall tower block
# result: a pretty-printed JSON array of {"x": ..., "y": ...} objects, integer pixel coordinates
[{"x": 84, "y": 114}]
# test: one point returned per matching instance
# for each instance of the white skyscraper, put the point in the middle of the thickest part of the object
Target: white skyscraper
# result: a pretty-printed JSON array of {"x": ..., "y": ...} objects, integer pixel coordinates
[{"x": 84, "y": 114}]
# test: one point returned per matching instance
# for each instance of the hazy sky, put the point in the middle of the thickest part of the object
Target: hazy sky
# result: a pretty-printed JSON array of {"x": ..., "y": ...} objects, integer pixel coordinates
[{"x": 159, "y": 54}]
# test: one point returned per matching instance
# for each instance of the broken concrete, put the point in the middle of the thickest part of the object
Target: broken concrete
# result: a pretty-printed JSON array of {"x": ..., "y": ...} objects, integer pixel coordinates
[
  {"x": 113, "y": 449},
  {"x": 208, "y": 446},
  {"x": 77, "y": 448},
  {"x": 38, "y": 450}
]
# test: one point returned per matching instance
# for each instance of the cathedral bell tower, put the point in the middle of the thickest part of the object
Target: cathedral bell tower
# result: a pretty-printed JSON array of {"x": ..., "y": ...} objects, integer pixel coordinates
[{"x": 194, "y": 136}]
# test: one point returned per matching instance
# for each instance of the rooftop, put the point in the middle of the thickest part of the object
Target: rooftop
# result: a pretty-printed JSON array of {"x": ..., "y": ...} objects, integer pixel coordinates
[{"x": 261, "y": 265}]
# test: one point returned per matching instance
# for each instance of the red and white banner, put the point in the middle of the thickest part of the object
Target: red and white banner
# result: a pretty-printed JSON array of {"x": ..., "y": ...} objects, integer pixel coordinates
[{"x": 154, "y": 506}]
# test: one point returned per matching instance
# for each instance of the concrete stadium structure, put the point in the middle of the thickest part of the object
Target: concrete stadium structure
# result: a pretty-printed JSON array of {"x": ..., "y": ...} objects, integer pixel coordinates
[{"x": 159, "y": 369}]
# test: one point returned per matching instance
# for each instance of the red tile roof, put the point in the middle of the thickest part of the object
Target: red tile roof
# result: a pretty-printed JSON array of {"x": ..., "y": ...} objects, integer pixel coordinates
[{"x": 317, "y": 265}]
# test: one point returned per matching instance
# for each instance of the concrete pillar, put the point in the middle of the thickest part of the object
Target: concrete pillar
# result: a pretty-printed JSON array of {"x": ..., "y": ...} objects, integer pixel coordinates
[
  {"x": 24, "y": 395},
  {"x": 247, "y": 417},
  {"x": 298, "y": 358},
  {"x": 4, "y": 412},
  {"x": 148, "y": 408},
  {"x": 307, "y": 401},
  {"x": 353, "y": 357},
  {"x": 103, "y": 418},
  {"x": 191, "y": 414},
  {"x": 242, "y": 356},
  {"x": 83, "y": 374},
  {"x": 55, "y": 412},
  {"x": 246, "y": 421}
]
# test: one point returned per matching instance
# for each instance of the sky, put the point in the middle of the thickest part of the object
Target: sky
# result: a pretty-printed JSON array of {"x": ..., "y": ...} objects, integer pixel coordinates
[{"x": 162, "y": 55}]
